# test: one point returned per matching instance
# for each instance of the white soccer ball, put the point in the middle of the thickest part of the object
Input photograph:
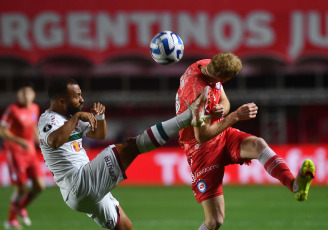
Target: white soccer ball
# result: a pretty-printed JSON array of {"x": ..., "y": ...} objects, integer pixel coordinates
[{"x": 166, "y": 48}]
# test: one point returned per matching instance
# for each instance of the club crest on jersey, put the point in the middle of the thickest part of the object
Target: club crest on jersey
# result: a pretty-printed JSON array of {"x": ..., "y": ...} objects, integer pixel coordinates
[
  {"x": 76, "y": 146},
  {"x": 218, "y": 85},
  {"x": 202, "y": 186}
]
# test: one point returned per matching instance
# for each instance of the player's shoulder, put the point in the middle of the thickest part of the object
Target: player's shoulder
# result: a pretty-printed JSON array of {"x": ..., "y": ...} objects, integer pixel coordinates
[
  {"x": 203, "y": 62},
  {"x": 50, "y": 118},
  {"x": 195, "y": 66},
  {"x": 12, "y": 107},
  {"x": 12, "y": 110},
  {"x": 46, "y": 115}
]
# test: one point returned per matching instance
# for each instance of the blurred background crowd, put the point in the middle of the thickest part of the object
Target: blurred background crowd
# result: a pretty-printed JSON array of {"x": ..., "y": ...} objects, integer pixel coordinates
[{"x": 284, "y": 53}]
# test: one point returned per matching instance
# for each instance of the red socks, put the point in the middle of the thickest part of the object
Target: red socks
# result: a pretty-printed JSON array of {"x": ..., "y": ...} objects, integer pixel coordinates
[
  {"x": 13, "y": 211},
  {"x": 276, "y": 167}
]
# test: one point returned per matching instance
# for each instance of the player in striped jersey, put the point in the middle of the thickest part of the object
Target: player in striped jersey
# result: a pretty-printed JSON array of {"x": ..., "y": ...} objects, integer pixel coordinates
[{"x": 85, "y": 185}]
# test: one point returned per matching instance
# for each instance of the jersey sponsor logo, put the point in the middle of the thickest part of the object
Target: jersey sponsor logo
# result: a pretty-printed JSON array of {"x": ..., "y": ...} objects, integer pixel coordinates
[
  {"x": 202, "y": 186},
  {"x": 192, "y": 178},
  {"x": 110, "y": 167},
  {"x": 207, "y": 169},
  {"x": 47, "y": 128},
  {"x": 76, "y": 146}
]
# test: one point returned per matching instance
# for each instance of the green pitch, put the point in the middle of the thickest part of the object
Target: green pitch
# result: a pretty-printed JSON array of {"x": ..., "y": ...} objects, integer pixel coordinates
[{"x": 174, "y": 208}]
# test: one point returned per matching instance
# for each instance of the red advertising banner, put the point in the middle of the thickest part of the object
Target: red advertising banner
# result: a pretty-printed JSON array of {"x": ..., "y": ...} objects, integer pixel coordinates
[
  {"x": 168, "y": 166},
  {"x": 99, "y": 30}
]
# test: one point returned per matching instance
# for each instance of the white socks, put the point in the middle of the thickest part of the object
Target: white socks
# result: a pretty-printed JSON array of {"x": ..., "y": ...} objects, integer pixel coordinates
[
  {"x": 203, "y": 227},
  {"x": 159, "y": 134},
  {"x": 265, "y": 155}
]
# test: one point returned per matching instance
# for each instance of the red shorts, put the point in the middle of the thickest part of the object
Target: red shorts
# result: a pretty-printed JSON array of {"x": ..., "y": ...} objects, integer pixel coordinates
[
  {"x": 209, "y": 160},
  {"x": 22, "y": 166}
]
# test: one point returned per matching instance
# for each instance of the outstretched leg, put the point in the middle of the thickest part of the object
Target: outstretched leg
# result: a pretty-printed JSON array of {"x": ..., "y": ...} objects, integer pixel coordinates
[
  {"x": 257, "y": 148},
  {"x": 159, "y": 134}
]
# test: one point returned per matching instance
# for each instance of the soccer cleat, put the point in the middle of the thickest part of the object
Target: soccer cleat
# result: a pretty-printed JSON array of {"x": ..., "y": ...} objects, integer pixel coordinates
[
  {"x": 12, "y": 224},
  {"x": 303, "y": 180},
  {"x": 23, "y": 217},
  {"x": 197, "y": 108}
]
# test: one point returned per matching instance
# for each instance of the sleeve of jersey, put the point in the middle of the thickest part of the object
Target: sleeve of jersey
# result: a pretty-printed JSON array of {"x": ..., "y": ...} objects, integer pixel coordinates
[
  {"x": 46, "y": 126},
  {"x": 85, "y": 127},
  {"x": 6, "y": 119}
]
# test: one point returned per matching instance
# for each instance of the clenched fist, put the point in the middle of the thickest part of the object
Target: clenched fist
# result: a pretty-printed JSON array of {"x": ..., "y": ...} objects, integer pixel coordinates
[
  {"x": 247, "y": 111},
  {"x": 98, "y": 109}
]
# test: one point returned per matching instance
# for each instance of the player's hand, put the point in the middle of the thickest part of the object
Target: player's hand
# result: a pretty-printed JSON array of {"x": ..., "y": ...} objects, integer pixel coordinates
[
  {"x": 247, "y": 111},
  {"x": 98, "y": 109},
  {"x": 88, "y": 117},
  {"x": 218, "y": 111},
  {"x": 24, "y": 144}
]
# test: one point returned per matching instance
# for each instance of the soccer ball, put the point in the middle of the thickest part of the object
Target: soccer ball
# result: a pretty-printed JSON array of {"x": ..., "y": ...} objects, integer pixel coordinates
[{"x": 166, "y": 48}]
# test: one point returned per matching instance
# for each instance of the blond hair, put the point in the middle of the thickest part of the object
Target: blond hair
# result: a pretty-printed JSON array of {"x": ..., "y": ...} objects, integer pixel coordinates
[{"x": 224, "y": 65}]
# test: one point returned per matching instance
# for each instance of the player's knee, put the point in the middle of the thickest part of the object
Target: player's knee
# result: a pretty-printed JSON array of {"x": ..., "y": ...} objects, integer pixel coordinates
[
  {"x": 38, "y": 188},
  {"x": 215, "y": 223},
  {"x": 21, "y": 189},
  {"x": 220, "y": 221},
  {"x": 130, "y": 146},
  {"x": 259, "y": 145}
]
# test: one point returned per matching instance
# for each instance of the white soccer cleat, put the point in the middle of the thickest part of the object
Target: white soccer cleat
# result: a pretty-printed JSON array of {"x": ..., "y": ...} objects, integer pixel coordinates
[
  {"x": 197, "y": 108},
  {"x": 23, "y": 217},
  {"x": 25, "y": 220},
  {"x": 12, "y": 224}
]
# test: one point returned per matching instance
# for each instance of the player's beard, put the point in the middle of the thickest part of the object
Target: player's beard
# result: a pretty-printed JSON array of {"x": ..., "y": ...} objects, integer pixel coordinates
[{"x": 71, "y": 109}]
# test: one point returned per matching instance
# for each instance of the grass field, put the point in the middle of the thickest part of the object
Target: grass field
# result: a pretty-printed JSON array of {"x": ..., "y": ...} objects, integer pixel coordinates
[{"x": 173, "y": 208}]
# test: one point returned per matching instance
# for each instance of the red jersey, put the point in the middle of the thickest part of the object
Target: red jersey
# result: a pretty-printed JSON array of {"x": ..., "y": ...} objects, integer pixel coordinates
[
  {"x": 207, "y": 160},
  {"x": 192, "y": 84},
  {"x": 21, "y": 122}
]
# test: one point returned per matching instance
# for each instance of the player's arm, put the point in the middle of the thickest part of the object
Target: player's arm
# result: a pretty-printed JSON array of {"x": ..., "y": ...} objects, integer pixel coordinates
[
  {"x": 36, "y": 135},
  {"x": 209, "y": 131},
  {"x": 99, "y": 133},
  {"x": 224, "y": 101},
  {"x": 8, "y": 135},
  {"x": 223, "y": 107},
  {"x": 58, "y": 137}
]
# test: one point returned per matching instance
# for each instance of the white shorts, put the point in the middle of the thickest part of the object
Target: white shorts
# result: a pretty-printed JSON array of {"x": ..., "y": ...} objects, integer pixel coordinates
[{"x": 91, "y": 192}]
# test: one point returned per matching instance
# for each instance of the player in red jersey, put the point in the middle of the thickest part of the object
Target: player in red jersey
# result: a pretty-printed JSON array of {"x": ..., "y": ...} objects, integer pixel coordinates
[
  {"x": 215, "y": 144},
  {"x": 18, "y": 128}
]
